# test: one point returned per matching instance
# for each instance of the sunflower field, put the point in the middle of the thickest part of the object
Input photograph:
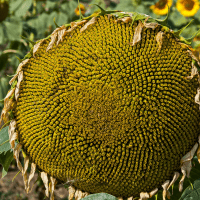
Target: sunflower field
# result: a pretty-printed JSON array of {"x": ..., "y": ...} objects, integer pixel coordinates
[{"x": 99, "y": 99}]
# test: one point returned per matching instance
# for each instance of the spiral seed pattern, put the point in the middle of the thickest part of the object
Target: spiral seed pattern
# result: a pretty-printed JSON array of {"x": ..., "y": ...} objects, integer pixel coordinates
[{"x": 113, "y": 117}]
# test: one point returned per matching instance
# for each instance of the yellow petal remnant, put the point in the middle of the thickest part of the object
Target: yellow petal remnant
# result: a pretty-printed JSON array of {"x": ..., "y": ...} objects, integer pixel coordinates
[
  {"x": 161, "y": 7},
  {"x": 89, "y": 23},
  {"x": 82, "y": 8},
  {"x": 36, "y": 46},
  {"x": 187, "y": 8},
  {"x": 16, "y": 155},
  {"x": 52, "y": 188}
]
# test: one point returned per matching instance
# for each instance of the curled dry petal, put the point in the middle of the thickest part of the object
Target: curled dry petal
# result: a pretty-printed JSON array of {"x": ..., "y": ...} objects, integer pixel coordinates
[
  {"x": 198, "y": 154},
  {"x": 124, "y": 19},
  {"x": 53, "y": 185},
  {"x": 193, "y": 56},
  {"x": 182, "y": 180},
  {"x": 153, "y": 192},
  {"x": 152, "y": 25},
  {"x": 33, "y": 168},
  {"x": 120, "y": 198},
  {"x": 197, "y": 96},
  {"x": 36, "y": 46},
  {"x": 187, "y": 166},
  {"x": 194, "y": 71},
  {"x": 20, "y": 78},
  {"x": 137, "y": 35},
  {"x": 159, "y": 39},
  {"x": 75, "y": 24},
  {"x": 165, "y": 191},
  {"x": 190, "y": 154},
  {"x": 16, "y": 156},
  {"x": 11, "y": 128},
  {"x": 130, "y": 198},
  {"x": 89, "y": 23},
  {"x": 8, "y": 105},
  {"x": 12, "y": 139},
  {"x": 144, "y": 196},
  {"x": 72, "y": 191},
  {"x": 78, "y": 195},
  {"x": 45, "y": 181},
  {"x": 54, "y": 36},
  {"x": 19, "y": 69},
  {"x": 61, "y": 33},
  {"x": 24, "y": 174},
  {"x": 175, "y": 177}
]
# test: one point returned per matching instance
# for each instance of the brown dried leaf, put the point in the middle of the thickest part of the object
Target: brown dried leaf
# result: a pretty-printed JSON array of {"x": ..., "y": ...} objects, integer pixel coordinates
[
  {"x": 137, "y": 35},
  {"x": 89, "y": 23}
]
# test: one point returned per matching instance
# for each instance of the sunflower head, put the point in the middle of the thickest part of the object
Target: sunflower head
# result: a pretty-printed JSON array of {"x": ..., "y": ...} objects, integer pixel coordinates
[
  {"x": 161, "y": 7},
  {"x": 106, "y": 101},
  {"x": 187, "y": 8}
]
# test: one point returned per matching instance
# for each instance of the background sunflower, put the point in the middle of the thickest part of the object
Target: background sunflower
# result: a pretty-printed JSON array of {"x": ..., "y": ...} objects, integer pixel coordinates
[{"x": 187, "y": 8}]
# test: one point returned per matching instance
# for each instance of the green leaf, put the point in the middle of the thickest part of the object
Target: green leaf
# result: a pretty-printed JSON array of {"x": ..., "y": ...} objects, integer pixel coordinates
[
  {"x": 5, "y": 160},
  {"x": 13, "y": 30},
  {"x": 100, "y": 196},
  {"x": 192, "y": 193},
  {"x": 1, "y": 34},
  {"x": 21, "y": 9},
  {"x": 40, "y": 24},
  {"x": 4, "y": 146}
]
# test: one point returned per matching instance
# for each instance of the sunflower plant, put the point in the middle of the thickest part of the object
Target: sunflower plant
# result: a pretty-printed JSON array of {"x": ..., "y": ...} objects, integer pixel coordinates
[{"x": 106, "y": 103}]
